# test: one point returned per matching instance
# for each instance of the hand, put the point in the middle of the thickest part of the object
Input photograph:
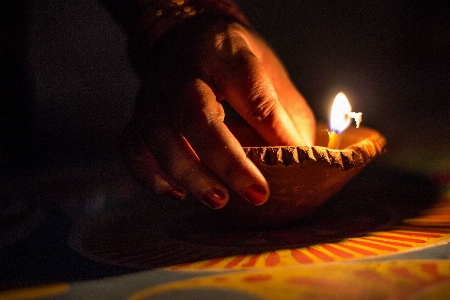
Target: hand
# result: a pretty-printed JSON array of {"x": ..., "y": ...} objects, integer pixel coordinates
[{"x": 177, "y": 140}]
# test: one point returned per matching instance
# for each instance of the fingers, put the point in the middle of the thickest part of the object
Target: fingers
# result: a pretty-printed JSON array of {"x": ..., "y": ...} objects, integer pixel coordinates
[
  {"x": 163, "y": 161},
  {"x": 216, "y": 147},
  {"x": 297, "y": 107},
  {"x": 144, "y": 167},
  {"x": 302, "y": 117},
  {"x": 181, "y": 143},
  {"x": 161, "y": 157},
  {"x": 248, "y": 88},
  {"x": 178, "y": 159},
  {"x": 212, "y": 160}
]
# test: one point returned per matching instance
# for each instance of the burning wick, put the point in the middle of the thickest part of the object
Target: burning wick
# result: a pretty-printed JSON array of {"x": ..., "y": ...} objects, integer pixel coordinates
[
  {"x": 334, "y": 139},
  {"x": 341, "y": 115}
]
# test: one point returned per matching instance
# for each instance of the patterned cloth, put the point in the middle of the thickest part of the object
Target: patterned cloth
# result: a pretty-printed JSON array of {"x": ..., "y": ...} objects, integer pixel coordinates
[{"x": 162, "y": 15}]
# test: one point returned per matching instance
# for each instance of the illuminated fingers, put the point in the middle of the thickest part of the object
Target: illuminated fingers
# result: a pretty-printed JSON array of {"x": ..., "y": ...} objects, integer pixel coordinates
[{"x": 249, "y": 90}]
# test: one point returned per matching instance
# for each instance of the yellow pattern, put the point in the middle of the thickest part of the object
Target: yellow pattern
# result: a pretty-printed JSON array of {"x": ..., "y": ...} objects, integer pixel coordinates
[
  {"x": 373, "y": 280},
  {"x": 35, "y": 292}
]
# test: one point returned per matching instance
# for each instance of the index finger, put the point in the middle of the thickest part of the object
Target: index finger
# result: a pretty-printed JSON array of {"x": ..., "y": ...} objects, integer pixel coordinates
[{"x": 202, "y": 125}]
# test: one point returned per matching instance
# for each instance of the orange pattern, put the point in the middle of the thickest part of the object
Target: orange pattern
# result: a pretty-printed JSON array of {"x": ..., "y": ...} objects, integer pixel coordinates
[
  {"x": 373, "y": 244},
  {"x": 422, "y": 279},
  {"x": 431, "y": 228}
]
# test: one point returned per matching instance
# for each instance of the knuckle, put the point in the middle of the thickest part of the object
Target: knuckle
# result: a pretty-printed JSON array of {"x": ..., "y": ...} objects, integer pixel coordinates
[
  {"x": 145, "y": 170},
  {"x": 158, "y": 185},
  {"x": 202, "y": 119},
  {"x": 261, "y": 107}
]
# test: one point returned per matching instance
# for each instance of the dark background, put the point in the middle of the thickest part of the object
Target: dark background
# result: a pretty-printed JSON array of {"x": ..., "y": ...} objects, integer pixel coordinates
[
  {"x": 66, "y": 80},
  {"x": 391, "y": 58},
  {"x": 67, "y": 89}
]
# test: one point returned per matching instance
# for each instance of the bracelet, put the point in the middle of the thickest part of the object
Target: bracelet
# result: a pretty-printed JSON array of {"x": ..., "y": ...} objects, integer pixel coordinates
[{"x": 159, "y": 16}]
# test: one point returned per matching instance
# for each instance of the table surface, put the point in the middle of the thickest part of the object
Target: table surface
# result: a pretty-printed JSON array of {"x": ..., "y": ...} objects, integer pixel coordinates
[{"x": 84, "y": 230}]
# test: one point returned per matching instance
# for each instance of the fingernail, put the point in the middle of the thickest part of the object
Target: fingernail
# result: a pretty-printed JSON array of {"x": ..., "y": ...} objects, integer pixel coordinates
[
  {"x": 176, "y": 193},
  {"x": 256, "y": 194},
  {"x": 214, "y": 198}
]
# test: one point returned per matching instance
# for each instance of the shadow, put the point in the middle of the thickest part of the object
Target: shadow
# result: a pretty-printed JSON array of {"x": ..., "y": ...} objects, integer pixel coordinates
[
  {"x": 402, "y": 194},
  {"x": 169, "y": 234},
  {"x": 376, "y": 199},
  {"x": 44, "y": 257}
]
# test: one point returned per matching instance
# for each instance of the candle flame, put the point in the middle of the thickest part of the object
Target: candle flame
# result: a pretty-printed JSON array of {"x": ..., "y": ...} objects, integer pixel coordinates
[{"x": 339, "y": 119}]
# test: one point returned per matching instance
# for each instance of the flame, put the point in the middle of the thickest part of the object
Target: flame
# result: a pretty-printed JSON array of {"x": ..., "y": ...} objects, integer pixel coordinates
[{"x": 340, "y": 110}]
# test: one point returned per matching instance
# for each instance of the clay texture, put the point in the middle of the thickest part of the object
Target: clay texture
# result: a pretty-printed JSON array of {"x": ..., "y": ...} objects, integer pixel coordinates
[{"x": 302, "y": 178}]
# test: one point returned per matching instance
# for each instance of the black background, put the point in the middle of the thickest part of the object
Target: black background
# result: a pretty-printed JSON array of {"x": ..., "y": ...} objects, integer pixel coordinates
[{"x": 67, "y": 78}]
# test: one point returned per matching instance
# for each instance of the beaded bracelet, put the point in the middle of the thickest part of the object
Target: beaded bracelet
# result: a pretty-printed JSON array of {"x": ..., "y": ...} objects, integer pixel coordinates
[{"x": 159, "y": 16}]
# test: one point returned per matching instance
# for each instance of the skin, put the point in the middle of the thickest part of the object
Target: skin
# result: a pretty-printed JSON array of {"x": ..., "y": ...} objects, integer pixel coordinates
[{"x": 177, "y": 141}]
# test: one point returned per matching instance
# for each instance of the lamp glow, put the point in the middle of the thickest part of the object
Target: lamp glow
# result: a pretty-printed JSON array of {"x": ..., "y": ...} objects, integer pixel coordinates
[{"x": 341, "y": 115}]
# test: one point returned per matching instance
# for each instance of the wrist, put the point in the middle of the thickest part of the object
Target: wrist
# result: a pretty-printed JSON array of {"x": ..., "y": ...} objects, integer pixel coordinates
[{"x": 160, "y": 16}]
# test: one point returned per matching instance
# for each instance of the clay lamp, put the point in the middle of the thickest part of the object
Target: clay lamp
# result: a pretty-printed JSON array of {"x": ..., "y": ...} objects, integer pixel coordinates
[{"x": 302, "y": 178}]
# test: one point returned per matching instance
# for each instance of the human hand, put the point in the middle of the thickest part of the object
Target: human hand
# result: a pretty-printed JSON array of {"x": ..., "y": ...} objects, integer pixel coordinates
[{"x": 177, "y": 141}]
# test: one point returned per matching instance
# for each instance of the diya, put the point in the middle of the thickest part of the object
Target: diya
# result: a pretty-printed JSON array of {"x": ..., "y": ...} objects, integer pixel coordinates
[{"x": 301, "y": 178}]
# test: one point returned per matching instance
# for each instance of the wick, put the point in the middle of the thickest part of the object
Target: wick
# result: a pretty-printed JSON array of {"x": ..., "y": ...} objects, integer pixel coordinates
[
  {"x": 329, "y": 132},
  {"x": 356, "y": 116}
]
